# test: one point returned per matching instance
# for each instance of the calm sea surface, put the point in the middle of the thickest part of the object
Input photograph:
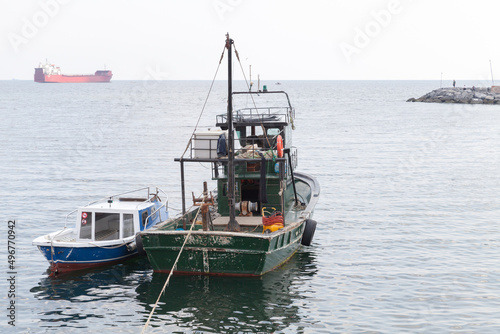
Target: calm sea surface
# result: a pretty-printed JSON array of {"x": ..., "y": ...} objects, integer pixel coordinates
[{"x": 408, "y": 236}]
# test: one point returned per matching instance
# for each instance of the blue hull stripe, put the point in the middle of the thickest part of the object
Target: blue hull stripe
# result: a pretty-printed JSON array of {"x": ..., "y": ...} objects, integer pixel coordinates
[{"x": 86, "y": 255}]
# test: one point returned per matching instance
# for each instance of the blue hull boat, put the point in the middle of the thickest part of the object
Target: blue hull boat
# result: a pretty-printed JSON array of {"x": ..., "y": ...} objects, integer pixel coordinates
[{"x": 106, "y": 231}]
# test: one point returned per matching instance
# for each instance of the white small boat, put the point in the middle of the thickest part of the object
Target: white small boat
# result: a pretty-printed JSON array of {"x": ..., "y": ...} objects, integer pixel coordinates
[{"x": 106, "y": 231}]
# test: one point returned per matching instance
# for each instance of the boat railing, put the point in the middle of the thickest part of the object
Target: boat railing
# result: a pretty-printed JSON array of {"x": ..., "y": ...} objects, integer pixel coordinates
[
  {"x": 67, "y": 216},
  {"x": 250, "y": 168},
  {"x": 205, "y": 145},
  {"x": 260, "y": 115},
  {"x": 148, "y": 198},
  {"x": 163, "y": 194},
  {"x": 158, "y": 210},
  {"x": 249, "y": 151}
]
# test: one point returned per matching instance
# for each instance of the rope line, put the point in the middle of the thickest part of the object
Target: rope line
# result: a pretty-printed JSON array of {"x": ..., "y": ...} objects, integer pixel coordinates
[{"x": 171, "y": 272}]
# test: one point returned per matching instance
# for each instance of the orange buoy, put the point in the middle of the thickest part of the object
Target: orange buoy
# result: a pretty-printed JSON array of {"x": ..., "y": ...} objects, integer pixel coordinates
[{"x": 279, "y": 144}]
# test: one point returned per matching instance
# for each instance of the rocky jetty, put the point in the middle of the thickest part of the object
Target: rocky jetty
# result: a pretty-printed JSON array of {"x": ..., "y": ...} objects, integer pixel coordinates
[{"x": 472, "y": 95}]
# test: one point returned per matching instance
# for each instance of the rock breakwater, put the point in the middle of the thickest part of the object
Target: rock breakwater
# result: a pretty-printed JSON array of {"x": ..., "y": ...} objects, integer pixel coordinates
[{"x": 482, "y": 95}]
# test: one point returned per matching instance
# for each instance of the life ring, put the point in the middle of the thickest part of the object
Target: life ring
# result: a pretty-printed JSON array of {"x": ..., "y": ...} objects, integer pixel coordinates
[{"x": 279, "y": 144}]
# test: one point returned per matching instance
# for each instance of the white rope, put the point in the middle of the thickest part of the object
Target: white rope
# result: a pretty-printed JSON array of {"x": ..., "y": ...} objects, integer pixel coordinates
[
  {"x": 171, "y": 272},
  {"x": 110, "y": 247}
]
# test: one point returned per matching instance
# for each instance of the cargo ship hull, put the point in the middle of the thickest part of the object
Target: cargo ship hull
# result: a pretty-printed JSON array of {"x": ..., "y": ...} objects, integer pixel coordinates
[
  {"x": 50, "y": 73},
  {"x": 99, "y": 76}
]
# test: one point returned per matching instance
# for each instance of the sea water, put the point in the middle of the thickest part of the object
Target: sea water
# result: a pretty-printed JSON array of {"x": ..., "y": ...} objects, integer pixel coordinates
[{"x": 408, "y": 236}]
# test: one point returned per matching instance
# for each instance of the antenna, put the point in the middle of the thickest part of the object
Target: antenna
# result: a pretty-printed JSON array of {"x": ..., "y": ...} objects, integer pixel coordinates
[
  {"x": 491, "y": 70},
  {"x": 251, "y": 83}
]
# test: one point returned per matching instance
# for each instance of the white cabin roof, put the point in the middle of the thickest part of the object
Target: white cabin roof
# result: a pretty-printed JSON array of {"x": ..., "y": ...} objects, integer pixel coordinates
[{"x": 117, "y": 204}]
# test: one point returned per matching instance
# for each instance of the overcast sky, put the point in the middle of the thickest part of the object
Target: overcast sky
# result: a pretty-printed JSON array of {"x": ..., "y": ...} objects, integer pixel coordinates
[{"x": 281, "y": 39}]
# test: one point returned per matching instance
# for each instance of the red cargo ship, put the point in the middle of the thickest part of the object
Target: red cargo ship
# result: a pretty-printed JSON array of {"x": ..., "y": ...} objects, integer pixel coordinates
[{"x": 50, "y": 73}]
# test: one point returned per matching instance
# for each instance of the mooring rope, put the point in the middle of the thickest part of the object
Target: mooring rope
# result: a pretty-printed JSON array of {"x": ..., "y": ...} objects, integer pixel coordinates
[{"x": 171, "y": 271}]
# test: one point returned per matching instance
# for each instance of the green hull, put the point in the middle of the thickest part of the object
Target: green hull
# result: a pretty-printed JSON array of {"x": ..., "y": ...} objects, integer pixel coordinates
[
  {"x": 222, "y": 253},
  {"x": 218, "y": 252}
]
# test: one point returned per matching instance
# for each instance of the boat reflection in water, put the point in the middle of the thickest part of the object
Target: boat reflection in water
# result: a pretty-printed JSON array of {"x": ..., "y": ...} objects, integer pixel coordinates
[
  {"x": 82, "y": 302},
  {"x": 76, "y": 286},
  {"x": 214, "y": 304},
  {"x": 217, "y": 304}
]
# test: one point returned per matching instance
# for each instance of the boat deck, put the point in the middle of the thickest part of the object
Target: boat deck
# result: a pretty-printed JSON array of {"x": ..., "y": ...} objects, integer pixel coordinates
[
  {"x": 66, "y": 238},
  {"x": 248, "y": 224},
  {"x": 243, "y": 221}
]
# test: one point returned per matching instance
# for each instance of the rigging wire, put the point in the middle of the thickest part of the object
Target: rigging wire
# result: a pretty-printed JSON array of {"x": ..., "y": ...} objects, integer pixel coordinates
[
  {"x": 205, "y": 103},
  {"x": 251, "y": 96},
  {"x": 243, "y": 72}
]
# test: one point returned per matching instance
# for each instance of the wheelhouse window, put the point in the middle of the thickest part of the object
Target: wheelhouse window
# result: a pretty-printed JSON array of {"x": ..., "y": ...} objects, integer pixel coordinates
[
  {"x": 144, "y": 218},
  {"x": 86, "y": 225},
  {"x": 128, "y": 225},
  {"x": 107, "y": 226}
]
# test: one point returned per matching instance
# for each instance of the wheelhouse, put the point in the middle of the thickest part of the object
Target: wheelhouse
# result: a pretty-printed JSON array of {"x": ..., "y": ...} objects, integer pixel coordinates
[
  {"x": 260, "y": 167},
  {"x": 117, "y": 219}
]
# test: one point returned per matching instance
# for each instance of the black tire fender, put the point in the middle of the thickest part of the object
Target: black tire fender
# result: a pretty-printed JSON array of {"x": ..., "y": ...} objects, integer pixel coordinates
[
  {"x": 140, "y": 246},
  {"x": 309, "y": 229}
]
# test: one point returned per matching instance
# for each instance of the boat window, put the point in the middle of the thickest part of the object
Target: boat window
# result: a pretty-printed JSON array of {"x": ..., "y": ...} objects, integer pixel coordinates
[
  {"x": 144, "y": 217},
  {"x": 128, "y": 225},
  {"x": 86, "y": 225},
  {"x": 273, "y": 132},
  {"x": 287, "y": 138},
  {"x": 107, "y": 226}
]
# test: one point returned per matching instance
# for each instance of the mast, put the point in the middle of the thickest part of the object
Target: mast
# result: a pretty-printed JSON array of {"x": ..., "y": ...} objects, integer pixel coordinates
[{"x": 232, "y": 224}]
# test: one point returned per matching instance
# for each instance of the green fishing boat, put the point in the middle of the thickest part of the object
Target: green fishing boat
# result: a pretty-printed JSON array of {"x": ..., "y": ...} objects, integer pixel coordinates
[{"x": 260, "y": 213}]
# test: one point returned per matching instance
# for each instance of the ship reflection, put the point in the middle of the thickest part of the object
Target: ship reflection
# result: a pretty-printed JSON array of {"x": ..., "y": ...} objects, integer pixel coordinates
[
  {"x": 196, "y": 303},
  {"x": 230, "y": 304},
  {"x": 74, "y": 285}
]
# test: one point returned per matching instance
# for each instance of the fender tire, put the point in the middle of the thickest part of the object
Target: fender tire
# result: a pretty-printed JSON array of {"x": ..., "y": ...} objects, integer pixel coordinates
[
  {"x": 140, "y": 246},
  {"x": 309, "y": 229}
]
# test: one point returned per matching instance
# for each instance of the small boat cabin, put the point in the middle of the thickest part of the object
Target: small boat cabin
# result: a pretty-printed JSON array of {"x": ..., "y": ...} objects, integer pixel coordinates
[{"x": 117, "y": 219}]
